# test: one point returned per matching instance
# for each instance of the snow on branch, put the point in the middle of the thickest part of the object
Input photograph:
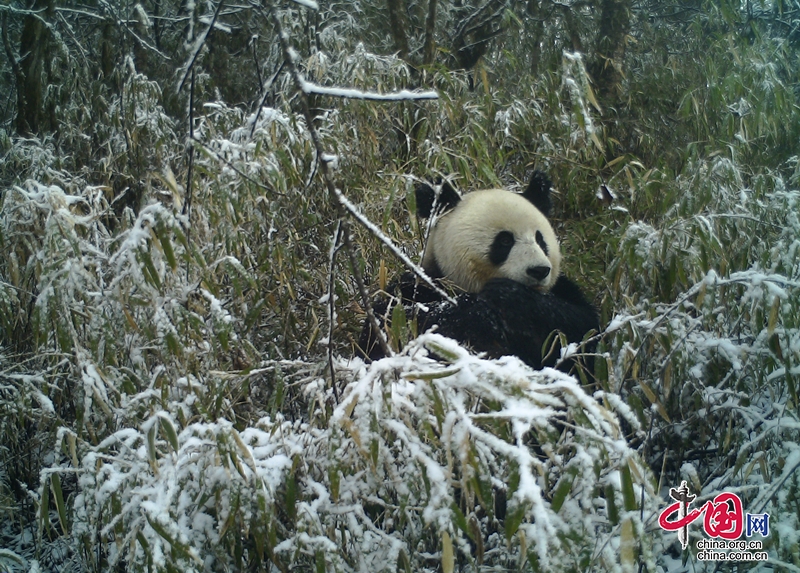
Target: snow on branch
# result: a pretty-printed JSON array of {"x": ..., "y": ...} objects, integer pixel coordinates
[
  {"x": 372, "y": 228},
  {"x": 310, "y": 4},
  {"x": 402, "y": 95}
]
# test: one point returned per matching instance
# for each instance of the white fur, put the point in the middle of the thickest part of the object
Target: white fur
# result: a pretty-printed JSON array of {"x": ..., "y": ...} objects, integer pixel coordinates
[{"x": 461, "y": 240}]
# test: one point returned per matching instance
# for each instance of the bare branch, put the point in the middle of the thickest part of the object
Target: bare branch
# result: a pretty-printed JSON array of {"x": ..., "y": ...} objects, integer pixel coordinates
[
  {"x": 335, "y": 246},
  {"x": 233, "y": 167},
  {"x": 187, "y": 207},
  {"x": 266, "y": 89},
  {"x": 372, "y": 228}
]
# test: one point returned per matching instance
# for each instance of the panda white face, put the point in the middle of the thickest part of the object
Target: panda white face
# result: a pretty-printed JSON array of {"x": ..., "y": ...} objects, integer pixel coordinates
[{"x": 494, "y": 234}]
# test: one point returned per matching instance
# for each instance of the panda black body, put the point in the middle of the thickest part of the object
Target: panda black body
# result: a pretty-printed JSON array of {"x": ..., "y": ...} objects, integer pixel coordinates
[{"x": 500, "y": 251}]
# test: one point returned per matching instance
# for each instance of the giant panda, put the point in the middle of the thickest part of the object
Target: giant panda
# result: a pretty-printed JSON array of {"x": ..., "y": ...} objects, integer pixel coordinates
[{"x": 500, "y": 252}]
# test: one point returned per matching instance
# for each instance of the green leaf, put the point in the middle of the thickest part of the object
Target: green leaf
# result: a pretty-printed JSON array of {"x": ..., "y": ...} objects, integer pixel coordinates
[
  {"x": 562, "y": 490},
  {"x": 55, "y": 483},
  {"x": 611, "y": 504},
  {"x": 403, "y": 562},
  {"x": 151, "y": 445},
  {"x": 399, "y": 326},
  {"x": 628, "y": 497},
  {"x": 291, "y": 495},
  {"x": 773, "y": 315},
  {"x": 166, "y": 246},
  {"x": 150, "y": 274},
  {"x": 179, "y": 547},
  {"x": 458, "y": 518},
  {"x": 320, "y": 562},
  {"x": 44, "y": 510},
  {"x": 169, "y": 430},
  {"x": 514, "y": 520}
]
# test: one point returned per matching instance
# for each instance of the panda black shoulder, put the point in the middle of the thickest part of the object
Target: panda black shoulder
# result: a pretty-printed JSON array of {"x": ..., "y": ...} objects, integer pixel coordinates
[{"x": 567, "y": 290}]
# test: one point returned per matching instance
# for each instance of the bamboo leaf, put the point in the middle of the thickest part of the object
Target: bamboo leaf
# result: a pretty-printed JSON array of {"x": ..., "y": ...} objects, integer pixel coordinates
[
  {"x": 627, "y": 545},
  {"x": 562, "y": 490},
  {"x": 44, "y": 509},
  {"x": 773, "y": 315},
  {"x": 166, "y": 246},
  {"x": 514, "y": 520},
  {"x": 448, "y": 558},
  {"x": 628, "y": 496},
  {"x": 169, "y": 430},
  {"x": 151, "y": 446},
  {"x": 58, "y": 495}
]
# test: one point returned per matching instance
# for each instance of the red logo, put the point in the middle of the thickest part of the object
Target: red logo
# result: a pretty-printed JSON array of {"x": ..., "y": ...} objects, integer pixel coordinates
[{"x": 724, "y": 515}]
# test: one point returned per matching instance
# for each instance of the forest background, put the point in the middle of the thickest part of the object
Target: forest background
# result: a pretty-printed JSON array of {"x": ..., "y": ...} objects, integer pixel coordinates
[{"x": 186, "y": 265}]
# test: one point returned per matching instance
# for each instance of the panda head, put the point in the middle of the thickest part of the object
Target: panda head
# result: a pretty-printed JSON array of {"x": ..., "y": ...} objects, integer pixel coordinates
[{"x": 492, "y": 234}]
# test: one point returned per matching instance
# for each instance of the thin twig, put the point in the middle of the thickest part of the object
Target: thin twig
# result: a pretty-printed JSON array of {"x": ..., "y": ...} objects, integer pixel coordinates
[
  {"x": 187, "y": 207},
  {"x": 266, "y": 89},
  {"x": 15, "y": 68},
  {"x": 335, "y": 246},
  {"x": 200, "y": 44},
  {"x": 372, "y": 228},
  {"x": 111, "y": 8},
  {"x": 233, "y": 167}
]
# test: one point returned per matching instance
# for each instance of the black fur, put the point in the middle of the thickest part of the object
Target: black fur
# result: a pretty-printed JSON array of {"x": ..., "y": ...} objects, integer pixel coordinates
[
  {"x": 538, "y": 192},
  {"x": 501, "y": 247},
  {"x": 426, "y": 197},
  {"x": 506, "y": 317},
  {"x": 541, "y": 242}
]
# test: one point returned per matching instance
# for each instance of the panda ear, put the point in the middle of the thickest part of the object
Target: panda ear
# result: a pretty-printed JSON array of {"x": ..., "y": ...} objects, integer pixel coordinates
[
  {"x": 538, "y": 192},
  {"x": 426, "y": 197}
]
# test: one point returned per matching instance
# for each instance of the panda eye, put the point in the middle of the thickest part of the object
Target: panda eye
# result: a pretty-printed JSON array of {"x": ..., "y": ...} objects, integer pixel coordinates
[
  {"x": 501, "y": 247},
  {"x": 541, "y": 242},
  {"x": 506, "y": 239}
]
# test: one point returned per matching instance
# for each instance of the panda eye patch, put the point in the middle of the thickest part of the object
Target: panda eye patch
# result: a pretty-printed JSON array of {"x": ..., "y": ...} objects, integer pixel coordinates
[
  {"x": 541, "y": 242},
  {"x": 501, "y": 247}
]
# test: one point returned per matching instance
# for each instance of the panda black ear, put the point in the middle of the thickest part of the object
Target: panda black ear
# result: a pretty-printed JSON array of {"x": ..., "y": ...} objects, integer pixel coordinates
[
  {"x": 426, "y": 196},
  {"x": 538, "y": 192}
]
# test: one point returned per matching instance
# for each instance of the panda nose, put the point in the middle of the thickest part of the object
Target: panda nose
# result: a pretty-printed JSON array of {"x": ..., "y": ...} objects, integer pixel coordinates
[{"x": 539, "y": 273}]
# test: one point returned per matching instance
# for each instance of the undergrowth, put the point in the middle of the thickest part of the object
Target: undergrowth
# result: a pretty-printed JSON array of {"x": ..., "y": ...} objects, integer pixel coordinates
[{"x": 165, "y": 393}]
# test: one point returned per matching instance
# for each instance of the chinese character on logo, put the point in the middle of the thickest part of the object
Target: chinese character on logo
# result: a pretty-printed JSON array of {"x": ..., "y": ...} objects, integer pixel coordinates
[
  {"x": 757, "y": 523},
  {"x": 722, "y": 520},
  {"x": 724, "y": 516},
  {"x": 682, "y": 498}
]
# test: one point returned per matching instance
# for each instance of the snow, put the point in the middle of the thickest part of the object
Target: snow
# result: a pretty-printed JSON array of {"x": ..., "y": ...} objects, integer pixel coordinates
[
  {"x": 310, "y": 4},
  {"x": 401, "y": 95}
]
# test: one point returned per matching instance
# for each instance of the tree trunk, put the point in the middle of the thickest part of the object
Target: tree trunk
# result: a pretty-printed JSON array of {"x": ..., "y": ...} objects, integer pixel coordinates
[
  {"x": 34, "y": 50},
  {"x": 536, "y": 32},
  {"x": 397, "y": 20},
  {"x": 19, "y": 78},
  {"x": 475, "y": 32},
  {"x": 606, "y": 67},
  {"x": 572, "y": 30},
  {"x": 429, "y": 53}
]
